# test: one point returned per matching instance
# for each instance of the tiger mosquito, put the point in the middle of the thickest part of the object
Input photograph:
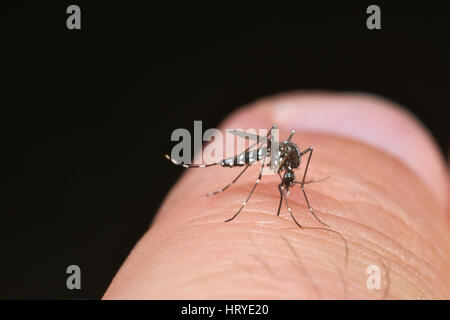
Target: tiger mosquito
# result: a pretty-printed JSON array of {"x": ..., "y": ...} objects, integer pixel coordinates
[{"x": 286, "y": 161}]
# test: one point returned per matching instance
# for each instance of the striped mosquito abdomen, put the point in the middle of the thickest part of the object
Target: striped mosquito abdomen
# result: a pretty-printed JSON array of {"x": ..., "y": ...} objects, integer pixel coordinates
[{"x": 244, "y": 158}]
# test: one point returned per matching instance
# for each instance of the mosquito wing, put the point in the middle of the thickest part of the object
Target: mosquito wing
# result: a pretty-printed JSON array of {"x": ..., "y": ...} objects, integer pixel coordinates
[
  {"x": 251, "y": 136},
  {"x": 246, "y": 135}
]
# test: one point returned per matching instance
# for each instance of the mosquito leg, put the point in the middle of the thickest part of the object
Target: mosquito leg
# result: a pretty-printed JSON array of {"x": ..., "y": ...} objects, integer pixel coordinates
[
  {"x": 228, "y": 185},
  {"x": 289, "y": 208},
  {"x": 281, "y": 199},
  {"x": 190, "y": 165},
  {"x": 281, "y": 191},
  {"x": 251, "y": 192},
  {"x": 310, "y": 150}
]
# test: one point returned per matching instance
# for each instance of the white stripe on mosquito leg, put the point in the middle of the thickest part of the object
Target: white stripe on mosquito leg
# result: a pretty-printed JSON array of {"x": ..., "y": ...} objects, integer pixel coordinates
[
  {"x": 241, "y": 159},
  {"x": 185, "y": 165}
]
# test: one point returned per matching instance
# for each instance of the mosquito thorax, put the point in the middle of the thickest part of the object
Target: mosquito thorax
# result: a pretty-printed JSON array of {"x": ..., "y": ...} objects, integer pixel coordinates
[{"x": 291, "y": 151}]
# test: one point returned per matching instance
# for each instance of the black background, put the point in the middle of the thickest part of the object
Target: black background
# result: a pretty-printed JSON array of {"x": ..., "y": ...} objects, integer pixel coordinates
[{"x": 87, "y": 114}]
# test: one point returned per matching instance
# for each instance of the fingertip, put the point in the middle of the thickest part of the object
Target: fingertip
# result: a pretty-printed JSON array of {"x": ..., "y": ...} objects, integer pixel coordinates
[{"x": 360, "y": 116}]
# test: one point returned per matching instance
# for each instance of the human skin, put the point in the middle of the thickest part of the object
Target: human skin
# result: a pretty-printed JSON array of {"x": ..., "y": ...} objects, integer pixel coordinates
[{"x": 387, "y": 196}]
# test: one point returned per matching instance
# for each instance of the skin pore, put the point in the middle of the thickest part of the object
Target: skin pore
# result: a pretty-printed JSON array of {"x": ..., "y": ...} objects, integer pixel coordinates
[{"x": 386, "y": 200}]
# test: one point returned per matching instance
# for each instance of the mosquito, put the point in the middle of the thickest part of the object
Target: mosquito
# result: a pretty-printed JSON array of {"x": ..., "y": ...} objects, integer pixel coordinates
[{"x": 286, "y": 161}]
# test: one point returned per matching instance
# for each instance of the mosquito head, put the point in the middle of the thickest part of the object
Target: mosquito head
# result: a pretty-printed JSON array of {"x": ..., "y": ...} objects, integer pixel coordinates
[{"x": 289, "y": 178}]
